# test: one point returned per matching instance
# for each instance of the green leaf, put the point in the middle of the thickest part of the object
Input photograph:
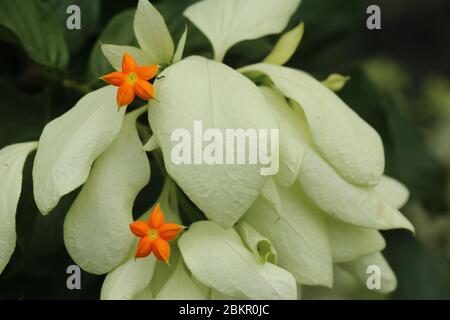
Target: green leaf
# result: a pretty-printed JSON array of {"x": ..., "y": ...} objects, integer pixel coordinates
[
  {"x": 12, "y": 160},
  {"x": 218, "y": 258},
  {"x": 69, "y": 145},
  {"x": 347, "y": 142},
  {"x": 205, "y": 90},
  {"x": 299, "y": 235},
  {"x": 96, "y": 228},
  {"x": 179, "y": 286},
  {"x": 286, "y": 46},
  {"x": 152, "y": 33},
  {"x": 36, "y": 28},
  {"x": 15, "y": 127},
  {"x": 239, "y": 20},
  {"x": 335, "y": 81},
  {"x": 119, "y": 31},
  {"x": 90, "y": 14}
]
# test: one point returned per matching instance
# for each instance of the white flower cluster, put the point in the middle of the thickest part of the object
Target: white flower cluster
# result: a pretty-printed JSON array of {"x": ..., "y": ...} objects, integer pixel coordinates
[{"x": 265, "y": 235}]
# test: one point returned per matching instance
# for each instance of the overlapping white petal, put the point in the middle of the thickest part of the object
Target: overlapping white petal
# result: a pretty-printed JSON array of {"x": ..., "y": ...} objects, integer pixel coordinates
[
  {"x": 12, "y": 160},
  {"x": 129, "y": 280},
  {"x": 96, "y": 231},
  {"x": 218, "y": 258},
  {"x": 69, "y": 145},
  {"x": 179, "y": 286},
  {"x": 349, "y": 242},
  {"x": 299, "y": 235},
  {"x": 226, "y": 23},
  {"x": 347, "y": 142},
  {"x": 361, "y": 269},
  {"x": 392, "y": 191},
  {"x": 208, "y": 91},
  {"x": 345, "y": 201},
  {"x": 291, "y": 136}
]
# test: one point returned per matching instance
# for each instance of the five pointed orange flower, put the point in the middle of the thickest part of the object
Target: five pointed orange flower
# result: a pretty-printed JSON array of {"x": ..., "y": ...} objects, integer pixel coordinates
[
  {"x": 132, "y": 81},
  {"x": 155, "y": 234}
]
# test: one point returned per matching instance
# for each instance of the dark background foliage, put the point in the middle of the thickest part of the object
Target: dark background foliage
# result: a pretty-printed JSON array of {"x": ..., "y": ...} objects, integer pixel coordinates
[{"x": 400, "y": 84}]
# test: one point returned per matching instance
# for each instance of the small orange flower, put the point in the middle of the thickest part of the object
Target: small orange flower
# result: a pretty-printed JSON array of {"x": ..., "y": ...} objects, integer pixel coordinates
[
  {"x": 155, "y": 235},
  {"x": 132, "y": 81}
]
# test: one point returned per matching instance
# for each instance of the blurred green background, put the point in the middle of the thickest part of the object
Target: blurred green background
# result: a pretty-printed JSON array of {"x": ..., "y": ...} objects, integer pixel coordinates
[{"x": 400, "y": 84}]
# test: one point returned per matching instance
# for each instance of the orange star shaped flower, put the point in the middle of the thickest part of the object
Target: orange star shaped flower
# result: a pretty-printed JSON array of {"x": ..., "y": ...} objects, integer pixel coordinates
[
  {"x": 155, "y": 235},
  {"x": 132, "y": 81}
]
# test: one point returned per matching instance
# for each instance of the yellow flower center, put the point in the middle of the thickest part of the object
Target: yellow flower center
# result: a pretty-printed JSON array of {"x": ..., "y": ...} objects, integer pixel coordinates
[
  {"x": 153, "y": 234},
  {"x": 132, "y": 78}
]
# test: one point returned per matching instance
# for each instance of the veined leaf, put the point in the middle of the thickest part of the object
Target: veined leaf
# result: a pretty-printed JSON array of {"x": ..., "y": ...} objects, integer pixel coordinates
[
  {"x": 197, "y": 89},
  {"x": 69, "y": 145},
  {"x": 35, "y": 26},
  {"x": 96, "y": 229}
]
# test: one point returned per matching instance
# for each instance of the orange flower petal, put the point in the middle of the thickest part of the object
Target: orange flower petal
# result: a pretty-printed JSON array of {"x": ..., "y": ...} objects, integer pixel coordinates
[
  {"x": 156, "y": 218},
  {"x": 125, "y": 94},
  {"x": 169, "y": 231},
  {"x": 147, "y": 72},
  {"x": 128, "y": 63},
  {"x": 144, "y": 90},
  {"x": 139, "y": 228},
  {"x": 115, "y": 78},
  {"x": 144, "y": 247},
  {"x": 161, "y": 249}
]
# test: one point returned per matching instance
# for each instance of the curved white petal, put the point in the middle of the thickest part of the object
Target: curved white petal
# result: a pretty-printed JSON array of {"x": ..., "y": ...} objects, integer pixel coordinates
[
  {"x": 179, "y": 286},
  {"x": 152, "y": 33},
  {"x": 218, "y": 258},
  {"x": 114, "y": 54},
  {"x": 349, "y": 242},
  {"x": 69, "y": 145},
  {"x": 271, "y": 197},
  {"x": 96, "y": 229},
  {"x": 392, "y": 191},
  {"x": 226, "y": 23},
  {"x": 353, "y": 147},
  {"x": 129, "y": 279},
  {"x": 299, "y": 235},
  {"x": 347, "y": 202},
  {"x": 12, "y": 160},
  {"x": 197, "y": 89},
  {"x": 291, "y": 136},
  {"x": 361, "y": 270}
]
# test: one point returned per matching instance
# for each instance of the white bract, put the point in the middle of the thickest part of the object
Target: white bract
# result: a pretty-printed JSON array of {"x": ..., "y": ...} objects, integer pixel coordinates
[
  {"x": 12, "y": 160},
  {"x": 264, "y": 237}
]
